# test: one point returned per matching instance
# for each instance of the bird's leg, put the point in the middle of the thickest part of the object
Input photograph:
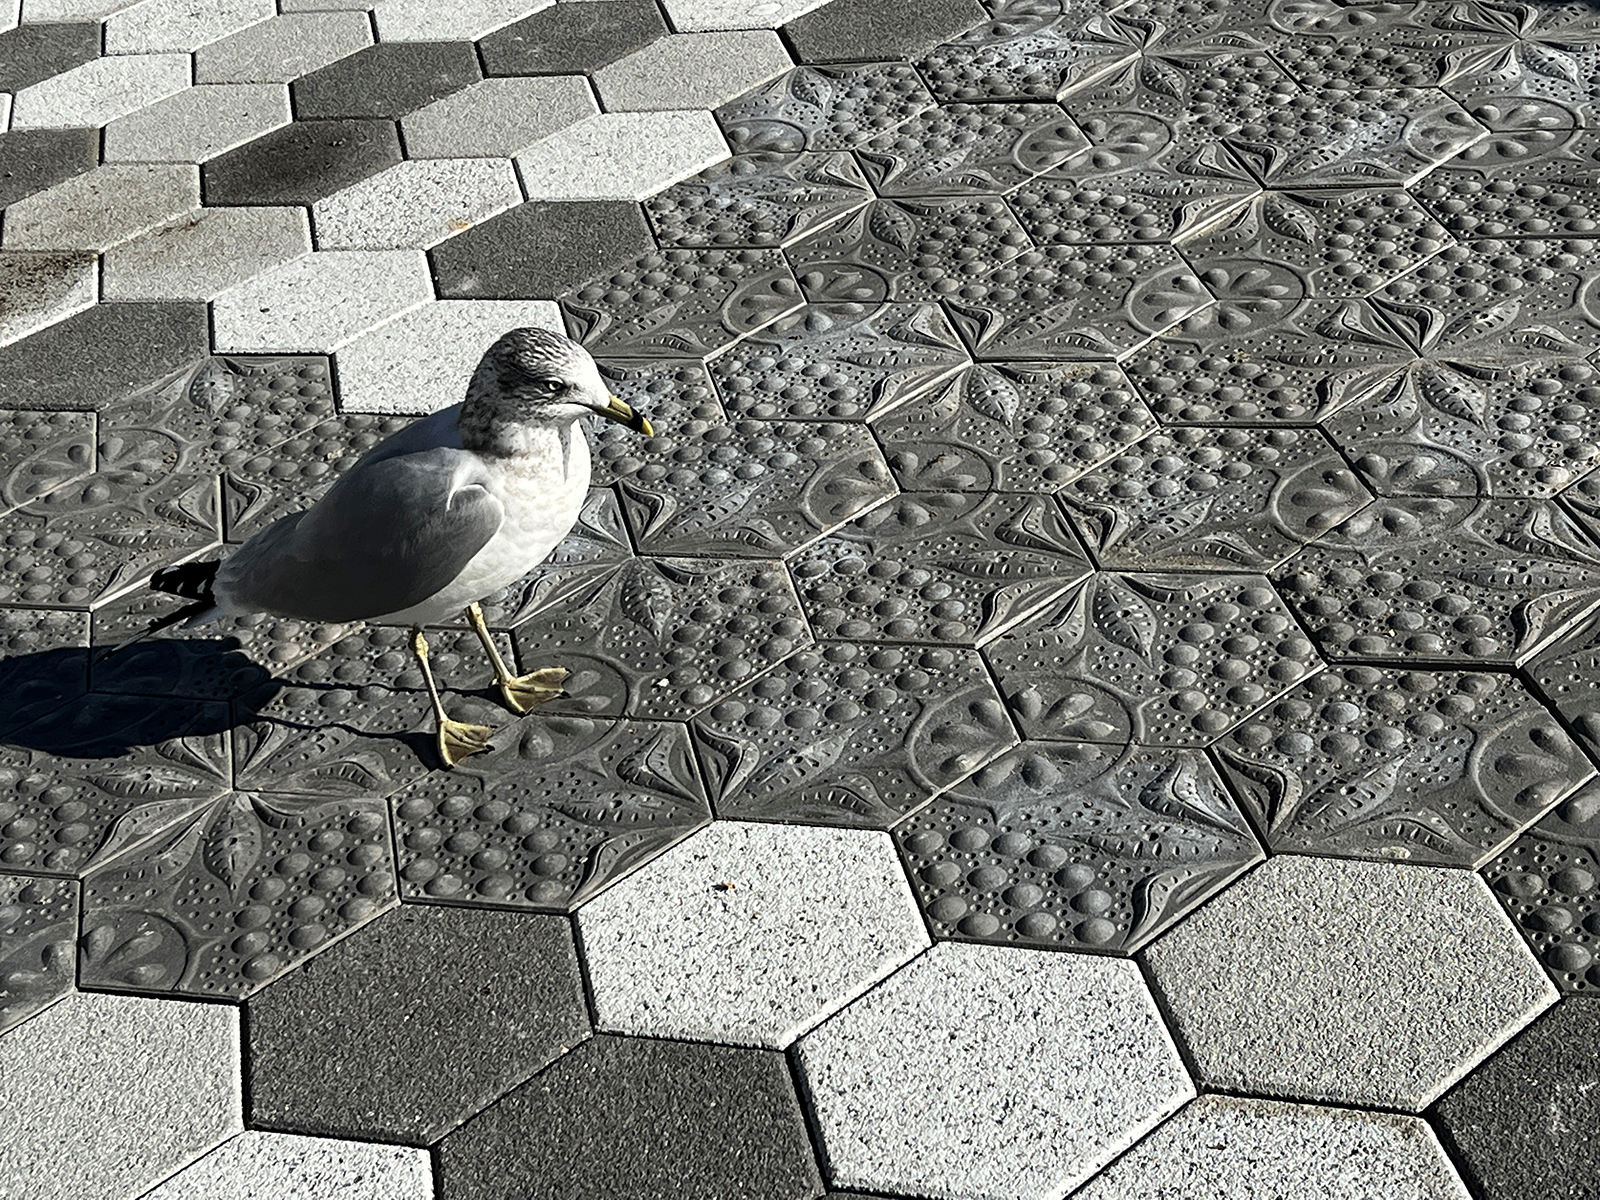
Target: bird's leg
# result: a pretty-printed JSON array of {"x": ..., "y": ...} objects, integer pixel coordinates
[
  {"x": 457, "y": 739},
  {"x": 521, "y": 692}
]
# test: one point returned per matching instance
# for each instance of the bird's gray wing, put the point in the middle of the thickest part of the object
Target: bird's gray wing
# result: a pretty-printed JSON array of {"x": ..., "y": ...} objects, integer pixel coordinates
[{"x": 387, "y": 536}]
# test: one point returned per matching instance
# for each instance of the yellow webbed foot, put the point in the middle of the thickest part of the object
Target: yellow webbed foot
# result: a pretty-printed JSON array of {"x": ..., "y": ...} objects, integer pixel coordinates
[
  {"x": 523, "y": 693},
  {"x": 457, "y": 740}
]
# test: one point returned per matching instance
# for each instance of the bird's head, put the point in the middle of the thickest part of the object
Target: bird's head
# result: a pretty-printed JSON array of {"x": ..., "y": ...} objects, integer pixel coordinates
[{"x": 532, "y": 375}]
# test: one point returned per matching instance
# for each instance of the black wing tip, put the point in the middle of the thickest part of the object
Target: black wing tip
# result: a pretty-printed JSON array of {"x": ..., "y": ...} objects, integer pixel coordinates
[{"x": 191, "y": 580}]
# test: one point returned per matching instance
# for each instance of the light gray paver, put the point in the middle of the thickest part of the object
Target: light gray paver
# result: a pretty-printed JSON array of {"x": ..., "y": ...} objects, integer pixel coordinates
[
  {"x": 497, "y": 117},
  {"x": 43, "y": 11},
  {"x": 102, "y": 207},
  {"x": 256, "y": 1165},
  {"x": 415, "y": 204},
  {"x": 422, "y": 362},
  {"x": 100, "y": 91},
  {"x": 5, "y": 111},
  {"x": 186, "y": 25},
  {"x": 749, "y": 933},
  {"x": 621, "y": 156},
  {"x": 198, "y": 123},
  {"x": 283, "y": 48},
  {"x": 318, "y": 303},
  {"x": 37, "y": 290},
  {"x": 1353, "y": 982},
  {"x": 692, "y": 70},
  {"x": 106, "y": 1095},
  {"x": 205, "y": 253},
  {"x": 290, "y": 6},
  {"x": 982, "y": 1071},
  {"x": 691, "y": 16},
  {"x": 464, "y": 20},
  {"x": 1227, "y": 1148}
]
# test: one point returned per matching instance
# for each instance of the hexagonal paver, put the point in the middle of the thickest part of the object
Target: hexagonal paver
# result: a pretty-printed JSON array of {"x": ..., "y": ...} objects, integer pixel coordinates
[
  {"x": 1549, "y": 881},
  {"x": 1170, "y": 659},
  {"x": 1075, "y": 844},
  {"x": 1222, "y": 1147},
  {"x": 421, "y": 362},
  {"x": 236, "y": 894},
  {"x": 1063, "y": 1064},
  {"x": 640, "y": 1119},
  {"x": 1441, "y": 767},
  {"x": 621, "y": 155},
  {"x": 1213, "y": 499},
  {"x": 742, "y": 934},
  {"x": 165, "y": 1090},
  {"x": 560, "y": 813},
  {"x": 933, "y": 567},
  {"x": 1523, "y": 1123},
  {"x": 320, "y": 302},
  {"x": 847, "y": 734},
  {"x": 1445, "y": 578},
  {"x": 424, "y": 1048},
  {"x": 1351, "y": 982},
  {"x": 283, "y": 1164}
]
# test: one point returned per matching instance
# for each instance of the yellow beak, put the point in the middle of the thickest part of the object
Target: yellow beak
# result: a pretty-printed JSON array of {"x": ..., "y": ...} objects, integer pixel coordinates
[{"x": 624, "y": 414}]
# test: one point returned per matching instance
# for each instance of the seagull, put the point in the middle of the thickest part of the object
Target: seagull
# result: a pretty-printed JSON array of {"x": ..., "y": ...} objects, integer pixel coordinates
[{"x": 433, "y": 519}]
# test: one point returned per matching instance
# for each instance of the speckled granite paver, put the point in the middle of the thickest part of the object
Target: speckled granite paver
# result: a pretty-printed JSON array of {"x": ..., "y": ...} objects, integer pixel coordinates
[
  {"x": 165, "y": 1091},
  {"x": 1225, "y": 1147},
  {"x": 822, "y": 914},
  {"x": 1062, "y": 1063},
  {"x": 1122, "y": 508},
  {"x": 1359, "y": 970},
  {"x": 256, "y": 1164}
]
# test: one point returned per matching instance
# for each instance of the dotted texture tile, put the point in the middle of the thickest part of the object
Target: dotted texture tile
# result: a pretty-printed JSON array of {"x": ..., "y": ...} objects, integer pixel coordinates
[
  {"x": 552, "y": 817},
  {"x": 939, "y": 568},
  {"x": 1524, "y": 1121},
  {"x": 1162, "y": 659},
  {"x": 43, "y": 662},
  {"x": 595, "y": 1120},
  {"x": 1368, "y": 1010},
  {"x": 1075, "y": 844},
  {"x": 760, "y": 199},
  {"x": 835, "y": 362},
  {"x": 166, "y": 1091},
  {"x": 41, "y": 451},
  {"x": 432, "y": 1047},
  {"x": 1221, "y": 500},
  {"x": 744, "y": 935},
  {"x": 1070, "y": 1047},
  {"x": 1221, "y": 1146},
  {"x": 235, "y": 894},
  {"x": 1452, "y": 579},
  {"x": 804, "y": 742},
  {"x": 1549, "y": 882},
  {"x": 833, "y": 107}
]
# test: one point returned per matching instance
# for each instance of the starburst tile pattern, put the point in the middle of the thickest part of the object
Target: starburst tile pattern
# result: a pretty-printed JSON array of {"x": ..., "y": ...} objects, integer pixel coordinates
[{"x": 1124, "y": 484}]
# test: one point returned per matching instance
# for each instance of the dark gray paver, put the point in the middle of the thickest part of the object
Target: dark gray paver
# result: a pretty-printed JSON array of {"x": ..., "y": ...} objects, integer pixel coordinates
[
  {"x": 32, "y": 160},
  {"x": 539, "y": 249},
  {"x": 34, "y": 52},
  {"x": 1525, "y": 1122},
  {"x": 567, "y": 38},
  {"x": 102, "y": 355},
  {"x": 301, "y": 163},
  {"x": 386, "y": 80},
  {"x": 867, "y": 30},
  {"x": 640, "y": 1120},
  {"x": 413, "y": 1024}
]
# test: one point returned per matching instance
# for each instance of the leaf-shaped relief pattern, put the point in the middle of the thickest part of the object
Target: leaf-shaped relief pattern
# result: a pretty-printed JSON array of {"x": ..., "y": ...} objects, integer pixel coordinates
[
  {"x": 892, "y": 225},
  {"x": 646, "y": 598},
  {"x": 664, "y": 764},
  {"x": 728, "y": 760},
  {"x": 232, "y": 843},
  {"x": 1122, "y": 616}
]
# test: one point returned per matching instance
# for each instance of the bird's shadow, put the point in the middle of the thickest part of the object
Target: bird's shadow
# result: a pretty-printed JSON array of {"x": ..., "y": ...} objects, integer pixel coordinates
[{"x": 78, "y": 702}]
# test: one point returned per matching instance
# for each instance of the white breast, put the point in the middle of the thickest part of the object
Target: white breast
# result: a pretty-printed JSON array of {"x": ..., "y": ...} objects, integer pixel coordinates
[{"x": 542, "y": 492}]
